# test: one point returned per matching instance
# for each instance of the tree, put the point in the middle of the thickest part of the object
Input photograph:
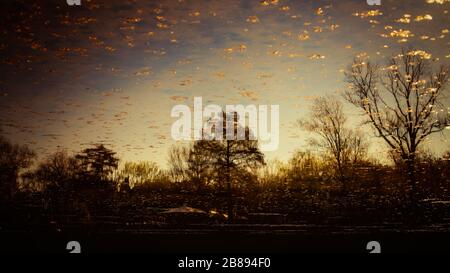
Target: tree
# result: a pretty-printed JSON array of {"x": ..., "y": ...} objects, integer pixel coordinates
[
  {"x": 307, "y": 166},
  {"x": 141, "y": 172},
  {"x": 231, "y": 158},
  {"x": 401, "y": 101},
  {"x": 13, "y": 159},
  {"x": 178, "y": 162},
  {"x": 328, "y": 121},
  {"x": 97, "y": 163},
  {"x": 199, "y": 168},
  {"x": 273, "y": 172},
  {"x": 57, "y": 170},
  {"x": 57, "y": 176}
]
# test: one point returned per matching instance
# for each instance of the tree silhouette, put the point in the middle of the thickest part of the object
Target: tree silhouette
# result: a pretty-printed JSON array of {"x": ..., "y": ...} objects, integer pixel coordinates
[
  {"x": 307, "y": 166},
  {"x": 140, "y": 172},
  {"x": 58, "y": 169},
  {"x": 178, "y": 162},
  {"x": 13, "y": 158},
  {"x": 328, "y": 121},
  {"x": 200, "y": 169},
  {"x": 232, "y": 158},
  {"x": 401, "y": 101},
  {"x": 97, "y": 163}
]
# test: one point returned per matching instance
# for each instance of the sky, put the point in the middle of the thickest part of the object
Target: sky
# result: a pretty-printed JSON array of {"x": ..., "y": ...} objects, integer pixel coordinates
[{"x": 111, "y": 71}]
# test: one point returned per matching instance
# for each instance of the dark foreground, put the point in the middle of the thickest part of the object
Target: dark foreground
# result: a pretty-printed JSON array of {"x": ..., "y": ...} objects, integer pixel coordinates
[{"x": 232, "y": 240}]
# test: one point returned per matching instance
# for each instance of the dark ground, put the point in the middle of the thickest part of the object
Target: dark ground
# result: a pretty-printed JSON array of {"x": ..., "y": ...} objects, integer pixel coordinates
[{"x": 241, "y": 240}]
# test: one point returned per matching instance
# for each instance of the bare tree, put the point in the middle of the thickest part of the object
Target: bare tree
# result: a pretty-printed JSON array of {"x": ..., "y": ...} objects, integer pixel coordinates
[
  {"x": 57, "y": 169},
  {"x": 13, "y": 159},
  {"x": 328, "y": 121},
  {"x": 356, "y": 151},
  {"x": 307, "y": 166},
  {"x": 178, "y": 162},
  {"x": 191, "y": 163},
  {"x": 138, "y": 173},
  {"x": 401, "y": 101},
  {"x": 200, "y": 170}
]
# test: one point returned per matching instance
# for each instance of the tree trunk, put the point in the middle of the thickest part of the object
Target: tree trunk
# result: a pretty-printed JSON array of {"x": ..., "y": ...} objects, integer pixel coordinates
[
  {"x": 229, "y": 189},
  {"x": 341, "y": 176},
  {"x": 410, "y": 165}
]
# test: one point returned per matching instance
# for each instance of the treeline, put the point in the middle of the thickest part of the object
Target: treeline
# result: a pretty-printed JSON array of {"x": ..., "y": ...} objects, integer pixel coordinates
[
  {"x": 400, "y": 102},
  {"x": 307, "y": 187}
]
